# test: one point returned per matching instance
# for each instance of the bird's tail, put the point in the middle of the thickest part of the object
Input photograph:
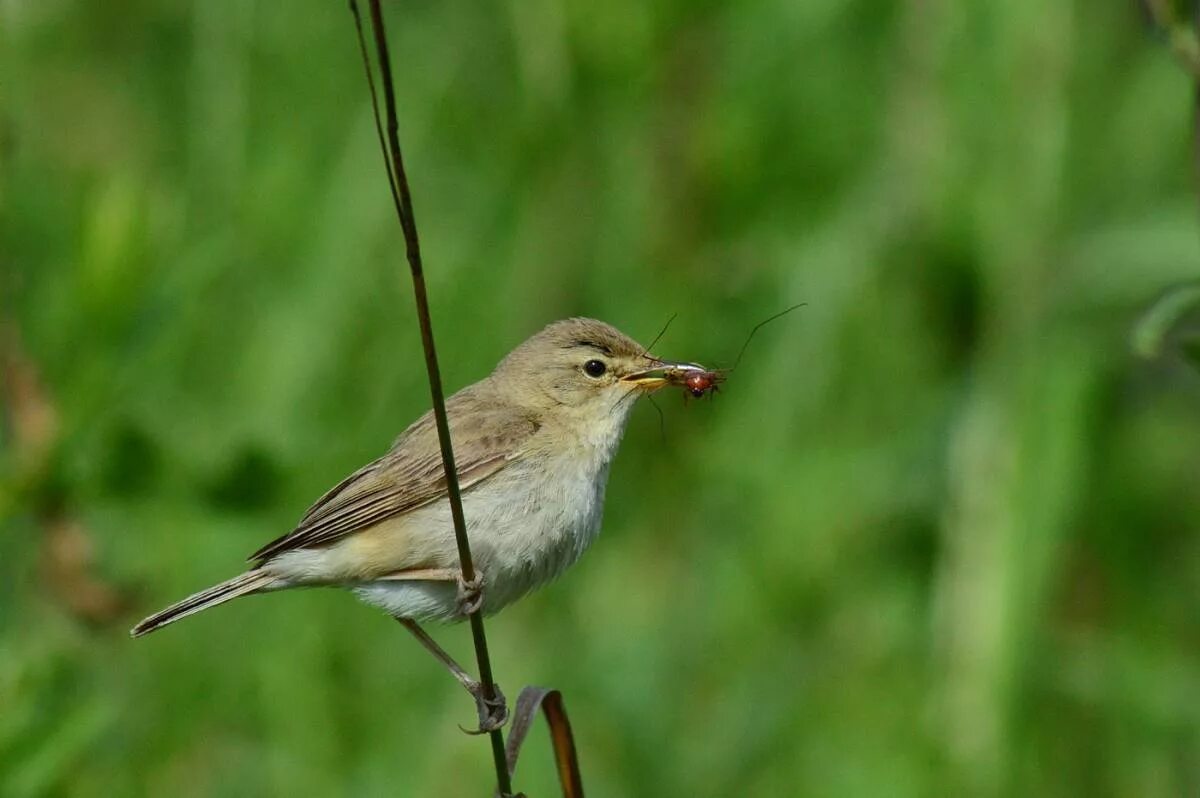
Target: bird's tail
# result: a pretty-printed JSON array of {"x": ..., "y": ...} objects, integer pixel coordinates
[{"x": 249, "y": 582}]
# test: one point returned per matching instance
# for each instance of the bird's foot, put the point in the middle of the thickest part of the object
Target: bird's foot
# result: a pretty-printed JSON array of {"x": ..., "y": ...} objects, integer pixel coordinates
[
  {"x": 493, "y": 712},
  {"x": 470, "y": 595}
]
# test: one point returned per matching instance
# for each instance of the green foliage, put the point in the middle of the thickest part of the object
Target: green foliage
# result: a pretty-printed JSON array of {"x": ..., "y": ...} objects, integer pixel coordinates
[{"x": 937, "y": 535}]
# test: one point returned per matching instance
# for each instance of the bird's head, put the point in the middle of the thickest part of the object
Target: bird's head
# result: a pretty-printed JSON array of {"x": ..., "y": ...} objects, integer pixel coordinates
[{"x": 580, "y": 369}]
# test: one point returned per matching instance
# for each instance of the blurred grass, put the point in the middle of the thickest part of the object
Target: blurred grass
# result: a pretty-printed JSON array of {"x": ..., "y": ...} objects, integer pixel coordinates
[{"x": 938, "y": 535}]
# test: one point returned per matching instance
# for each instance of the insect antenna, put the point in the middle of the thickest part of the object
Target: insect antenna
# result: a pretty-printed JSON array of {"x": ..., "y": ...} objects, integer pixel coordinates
[
  {"x": 659, "y": 336},
  {"x": 662, "y": 420},
  {"x": 758, "y": 327}
]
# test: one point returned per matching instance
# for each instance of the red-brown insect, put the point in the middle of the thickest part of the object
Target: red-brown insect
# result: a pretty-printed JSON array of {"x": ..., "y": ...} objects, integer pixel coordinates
[
  {"x": 701, "y": 383},
  {"x": 697, "y": 380}
]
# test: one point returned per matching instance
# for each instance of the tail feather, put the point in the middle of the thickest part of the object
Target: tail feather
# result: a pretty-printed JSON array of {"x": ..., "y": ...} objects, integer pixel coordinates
[{"x": 249, "y": 582}]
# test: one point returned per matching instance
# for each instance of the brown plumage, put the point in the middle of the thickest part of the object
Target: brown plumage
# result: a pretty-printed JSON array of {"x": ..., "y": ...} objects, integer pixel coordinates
[
  {"x": 486, "y": 432},
  {"x": 548, "y": 419}
]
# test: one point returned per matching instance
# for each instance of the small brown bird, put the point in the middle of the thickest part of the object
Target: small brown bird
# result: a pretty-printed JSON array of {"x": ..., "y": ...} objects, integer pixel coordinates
[{"x": 533, "y": 443}]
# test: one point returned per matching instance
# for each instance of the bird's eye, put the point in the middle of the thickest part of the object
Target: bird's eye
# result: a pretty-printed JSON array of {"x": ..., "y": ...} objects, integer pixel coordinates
[{"x": 595, "y": 368}]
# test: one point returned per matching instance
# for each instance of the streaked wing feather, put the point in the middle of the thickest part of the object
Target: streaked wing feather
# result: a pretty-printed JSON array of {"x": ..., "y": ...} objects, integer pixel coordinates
[
  {"x": 487, "y": 436},
  {"x": 326, "y": 503},
  {"x": 356, "y": 517}
]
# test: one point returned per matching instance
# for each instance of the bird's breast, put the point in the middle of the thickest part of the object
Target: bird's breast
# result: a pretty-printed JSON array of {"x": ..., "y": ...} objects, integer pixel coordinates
[
  {"x": 527, "y": 524},
  {"x": 533, "y": 520}
]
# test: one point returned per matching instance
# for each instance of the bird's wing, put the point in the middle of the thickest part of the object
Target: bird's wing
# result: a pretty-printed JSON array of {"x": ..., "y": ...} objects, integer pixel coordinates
[{"x": 487, "y": 435}]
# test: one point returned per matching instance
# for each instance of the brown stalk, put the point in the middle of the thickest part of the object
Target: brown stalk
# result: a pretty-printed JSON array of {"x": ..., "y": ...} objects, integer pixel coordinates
[
  {"x": 402, "y": 198},
  {"x": 561, "y": 737}
]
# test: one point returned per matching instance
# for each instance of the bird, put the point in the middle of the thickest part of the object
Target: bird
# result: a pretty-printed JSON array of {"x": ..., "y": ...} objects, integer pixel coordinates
[{"x": 533, "y": 442}]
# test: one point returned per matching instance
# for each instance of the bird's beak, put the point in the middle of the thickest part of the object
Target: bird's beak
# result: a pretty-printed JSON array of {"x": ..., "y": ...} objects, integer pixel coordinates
[{"x": 663, "y": 373}]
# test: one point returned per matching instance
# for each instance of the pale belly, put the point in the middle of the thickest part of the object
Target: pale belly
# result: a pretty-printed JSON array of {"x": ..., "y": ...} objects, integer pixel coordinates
[{"x": 525, "y": 529}]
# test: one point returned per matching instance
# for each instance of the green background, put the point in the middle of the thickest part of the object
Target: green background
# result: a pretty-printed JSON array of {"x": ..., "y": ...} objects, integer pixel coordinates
[{"x": 937, "y": 536}]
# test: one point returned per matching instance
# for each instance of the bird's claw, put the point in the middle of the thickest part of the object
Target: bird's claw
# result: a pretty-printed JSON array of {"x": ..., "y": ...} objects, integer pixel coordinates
[
  {"x": 470, "y": 595},
  {"x": 493, "y": 712}
]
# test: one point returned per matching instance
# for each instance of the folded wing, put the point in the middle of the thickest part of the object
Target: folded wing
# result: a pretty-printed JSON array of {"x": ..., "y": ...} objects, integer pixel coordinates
[{"x": 486, "y": 434}]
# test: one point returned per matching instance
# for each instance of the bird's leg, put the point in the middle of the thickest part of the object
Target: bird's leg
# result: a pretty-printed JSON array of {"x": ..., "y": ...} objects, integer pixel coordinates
[
  {"x": 470, "y": 592},
  {"x": 493, "y": 712}
]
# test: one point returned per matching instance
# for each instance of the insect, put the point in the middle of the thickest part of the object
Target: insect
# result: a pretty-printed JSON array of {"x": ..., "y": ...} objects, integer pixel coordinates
[
  {"x": 703, "y": 382},
  {"x": 697, "y": 380}
]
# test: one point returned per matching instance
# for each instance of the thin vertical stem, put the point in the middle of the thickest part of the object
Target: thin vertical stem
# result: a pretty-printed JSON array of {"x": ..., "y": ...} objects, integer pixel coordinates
[{"x": 402, "y": 197}]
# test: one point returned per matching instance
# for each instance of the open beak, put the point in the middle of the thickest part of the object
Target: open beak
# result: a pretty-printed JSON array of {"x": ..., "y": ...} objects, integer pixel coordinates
[{"x": 663, "y": 373}]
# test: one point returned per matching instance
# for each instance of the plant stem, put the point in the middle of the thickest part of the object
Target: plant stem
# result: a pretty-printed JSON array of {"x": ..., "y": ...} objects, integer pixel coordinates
[{"x": 401, "y": 196}]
